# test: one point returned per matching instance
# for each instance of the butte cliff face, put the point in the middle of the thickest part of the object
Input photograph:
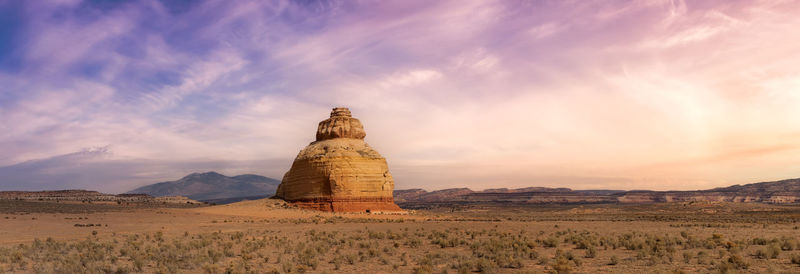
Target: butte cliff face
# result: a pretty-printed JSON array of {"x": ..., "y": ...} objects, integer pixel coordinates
[{"x": 339, "y": 172}]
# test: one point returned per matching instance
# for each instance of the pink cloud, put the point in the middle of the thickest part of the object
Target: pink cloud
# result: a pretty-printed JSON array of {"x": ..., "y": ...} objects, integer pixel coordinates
[{"x": 641, "y": 94}]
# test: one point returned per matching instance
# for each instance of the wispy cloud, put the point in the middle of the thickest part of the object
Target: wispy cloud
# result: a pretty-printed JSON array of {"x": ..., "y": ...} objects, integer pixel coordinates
[{"x": 475, "y": 93}]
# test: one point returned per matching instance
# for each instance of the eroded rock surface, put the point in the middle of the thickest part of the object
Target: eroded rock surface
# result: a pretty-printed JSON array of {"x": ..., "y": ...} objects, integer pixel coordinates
[
  {"x": 339, "y": 171},
  {"x": 77, "y": 195},
  {"x": 778, "y": 192},
  {"x": 340, "y": 125}
]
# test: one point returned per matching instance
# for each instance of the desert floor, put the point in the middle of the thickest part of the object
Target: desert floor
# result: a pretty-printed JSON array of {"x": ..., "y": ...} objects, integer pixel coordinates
[{"x": 266, "y": 236}]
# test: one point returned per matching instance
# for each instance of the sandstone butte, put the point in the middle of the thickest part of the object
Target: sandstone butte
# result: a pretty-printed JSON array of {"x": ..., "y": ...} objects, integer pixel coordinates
[{"x": 339, "y": 172}]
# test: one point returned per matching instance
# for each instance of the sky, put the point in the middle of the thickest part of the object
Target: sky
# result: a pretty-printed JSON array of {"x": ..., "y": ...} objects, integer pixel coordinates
[{"x": 649, "y": 94}]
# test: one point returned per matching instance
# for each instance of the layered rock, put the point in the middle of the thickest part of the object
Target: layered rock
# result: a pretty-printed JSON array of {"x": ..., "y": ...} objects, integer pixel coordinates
[
  {"x": 778, "y": 192},
  {"x": 340, "y": 125},
  {"x": 339, "y": 172},
  {"x": 77, "y": 195}
]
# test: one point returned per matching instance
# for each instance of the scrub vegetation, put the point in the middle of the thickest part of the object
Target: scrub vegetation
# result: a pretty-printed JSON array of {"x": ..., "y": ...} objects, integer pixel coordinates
[{"x": 429, "y": 241}]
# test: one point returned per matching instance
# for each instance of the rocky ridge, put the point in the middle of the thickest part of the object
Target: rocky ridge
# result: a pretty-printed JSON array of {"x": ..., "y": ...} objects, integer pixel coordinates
[
  {"x": 213, "y": 187},
  {"x": 78, "y": 195},
  {"x": 778, "y": 192}
]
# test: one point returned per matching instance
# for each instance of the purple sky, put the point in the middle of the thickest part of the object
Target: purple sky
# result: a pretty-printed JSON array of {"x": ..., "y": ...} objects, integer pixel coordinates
[{"x": 112, "y": 95}]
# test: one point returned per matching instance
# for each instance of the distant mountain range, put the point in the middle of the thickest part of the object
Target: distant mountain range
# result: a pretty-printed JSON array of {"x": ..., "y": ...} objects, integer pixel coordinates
[
  {"x": 213, "y": 187},
  {"x": 786, "y": 191},
  {"x": 216, "y": 188}
]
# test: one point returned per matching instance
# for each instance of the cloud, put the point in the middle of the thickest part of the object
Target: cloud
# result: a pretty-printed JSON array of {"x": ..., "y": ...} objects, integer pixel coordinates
[
  {"x": 410, "y": 78},
  {"x": 545, "y": 30},
  {"x": 454, "y": 93}
]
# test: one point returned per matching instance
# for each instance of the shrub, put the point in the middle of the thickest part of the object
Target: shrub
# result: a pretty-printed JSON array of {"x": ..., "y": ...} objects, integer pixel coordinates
[
  {"x": 738, "y": 262},
  {"x": 337, "y": 262},
  {"x": 413, "y": 242},
  {"x": 796, "y": 259},
  {"x": 591, "y": 252},
  {"x": 423, "y": 269},
  {"x": 614, "y": 260},
  {"x": 550, "y": 242},
  {"x": 462, "y": 264},
  {"x": 687, "y": 257},
  {"x": 351, "y": 258},
  {"x": 212, "y": 268},
  {"x": 485, "y": 266},
  {"x": 702, "y": 257},
  {"x": 789, "y": 244},
  {"x": 773, "y": 251},
  {"x": 543, "y": 260},
  {"x": 758, "y": 241},
  {"x": 562, "y": 265},
  {"x": 770, "y": 252}
]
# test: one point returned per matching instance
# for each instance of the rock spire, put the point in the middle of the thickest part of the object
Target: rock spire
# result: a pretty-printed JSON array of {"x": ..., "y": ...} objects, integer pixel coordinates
[
  {"x": 339, "y": 172},
  {"x": 340, "y": 125}
]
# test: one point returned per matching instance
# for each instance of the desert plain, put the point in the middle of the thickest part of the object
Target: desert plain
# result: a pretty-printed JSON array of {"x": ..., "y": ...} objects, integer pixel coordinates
[{"x": 269, "y": 236}]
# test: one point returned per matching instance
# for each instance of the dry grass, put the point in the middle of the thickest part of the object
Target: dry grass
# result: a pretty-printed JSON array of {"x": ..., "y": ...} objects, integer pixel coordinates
[{"x": 424, "y": 242}]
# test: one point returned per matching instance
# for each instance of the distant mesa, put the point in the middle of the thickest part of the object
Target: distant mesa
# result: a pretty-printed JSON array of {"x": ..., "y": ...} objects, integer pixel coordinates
[
  {"x": 339, "y": 172},
  {"x": 90, "y": 196},
  {"x": 778, "y": 192},
  {"x": 213, "y": 187}
]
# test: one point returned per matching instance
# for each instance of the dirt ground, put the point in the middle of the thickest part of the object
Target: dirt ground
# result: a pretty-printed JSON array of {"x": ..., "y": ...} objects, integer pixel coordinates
[{"x": 266, "y": 236}]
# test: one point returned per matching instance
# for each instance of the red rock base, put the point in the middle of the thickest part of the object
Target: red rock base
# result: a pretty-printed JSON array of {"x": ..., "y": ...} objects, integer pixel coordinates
[{"x": 367, "y": 205}]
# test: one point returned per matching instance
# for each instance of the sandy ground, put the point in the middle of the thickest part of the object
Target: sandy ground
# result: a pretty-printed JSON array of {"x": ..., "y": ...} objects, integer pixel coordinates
[
  {"x": 270, "y": 218},
  {"x": 267, "y": 213},
  {"x": 241, "y": 216}
]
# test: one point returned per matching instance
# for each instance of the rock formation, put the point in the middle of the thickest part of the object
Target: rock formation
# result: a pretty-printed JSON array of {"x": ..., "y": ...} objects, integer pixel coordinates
[
  {"x": 78, "y": 195},
  {"x": 778, "y": 192},
  {"x": 339, "y": 172}
]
